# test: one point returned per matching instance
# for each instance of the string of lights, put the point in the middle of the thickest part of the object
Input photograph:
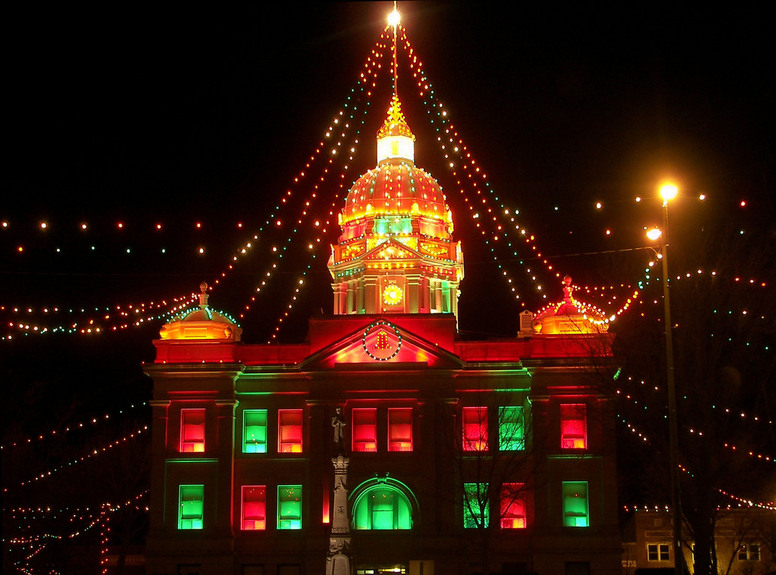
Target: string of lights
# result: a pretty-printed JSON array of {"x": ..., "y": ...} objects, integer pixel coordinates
[
  {"x": 34, "y": 544},
  {"x": 748, "y": 502},
  {"x": 691, "y": 430},
  {"x": 91, "y": 455},
  {"x": 94, "y": 421},
  {"x": 438, "y": 118}
]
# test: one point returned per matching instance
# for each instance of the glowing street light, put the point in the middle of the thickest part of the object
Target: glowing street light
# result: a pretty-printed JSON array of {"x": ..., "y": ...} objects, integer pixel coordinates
[
  {"x": 668, "y": 192},
  {"x": 654, "y": 234}
]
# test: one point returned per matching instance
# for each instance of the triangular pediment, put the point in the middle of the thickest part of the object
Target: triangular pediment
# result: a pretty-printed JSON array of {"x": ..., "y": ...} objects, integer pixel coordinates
[
  {"x": 380, "y": 343},
  {"x": 391, "y": 249}
]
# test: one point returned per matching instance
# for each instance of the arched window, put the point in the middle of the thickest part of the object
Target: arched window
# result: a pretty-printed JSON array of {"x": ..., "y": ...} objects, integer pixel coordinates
[{"x": 382, "y": 504}]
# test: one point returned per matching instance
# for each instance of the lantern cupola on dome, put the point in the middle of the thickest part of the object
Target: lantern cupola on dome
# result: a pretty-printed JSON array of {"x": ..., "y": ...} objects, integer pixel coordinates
[
  {"x": 394, "y": 138},
  {"x": 202, "y": 323},
  {"x": 395, "y": 253}
]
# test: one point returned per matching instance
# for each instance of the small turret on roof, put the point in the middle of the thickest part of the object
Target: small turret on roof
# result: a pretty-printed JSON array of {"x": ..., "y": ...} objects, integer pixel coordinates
[
  {"x": 202, "y": 323},
  {"x": 570, "y": 315}
]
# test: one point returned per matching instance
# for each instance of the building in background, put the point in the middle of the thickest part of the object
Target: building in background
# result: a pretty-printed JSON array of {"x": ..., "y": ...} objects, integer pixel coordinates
[{"x": 744, "y": 539}]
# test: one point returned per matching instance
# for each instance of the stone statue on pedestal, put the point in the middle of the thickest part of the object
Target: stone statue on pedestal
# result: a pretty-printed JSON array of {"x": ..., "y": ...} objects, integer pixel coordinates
[{"x": 338, "y": 423}]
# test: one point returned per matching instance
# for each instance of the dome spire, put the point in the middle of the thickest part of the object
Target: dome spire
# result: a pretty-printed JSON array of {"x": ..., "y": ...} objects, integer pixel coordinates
[{"x": 394, "y": 138}]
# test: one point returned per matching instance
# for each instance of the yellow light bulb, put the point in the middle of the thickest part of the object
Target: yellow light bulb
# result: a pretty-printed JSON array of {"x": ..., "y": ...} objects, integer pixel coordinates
[{"x": 654, "y": 234}]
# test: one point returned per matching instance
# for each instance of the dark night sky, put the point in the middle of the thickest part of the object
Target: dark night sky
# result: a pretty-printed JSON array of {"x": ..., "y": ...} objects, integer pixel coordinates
[{"x": 146, "y": 114}]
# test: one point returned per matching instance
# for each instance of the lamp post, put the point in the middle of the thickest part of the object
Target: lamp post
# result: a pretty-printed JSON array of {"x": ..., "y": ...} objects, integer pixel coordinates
[{"x": 668, "y": 192}]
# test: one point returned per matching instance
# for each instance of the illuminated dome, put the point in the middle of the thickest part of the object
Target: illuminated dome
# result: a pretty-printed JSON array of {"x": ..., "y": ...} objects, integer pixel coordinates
[
  {"x": 201, "y": 323},
  {"x": 396, "y": 253},
  {"x": 397, "y": 187}
]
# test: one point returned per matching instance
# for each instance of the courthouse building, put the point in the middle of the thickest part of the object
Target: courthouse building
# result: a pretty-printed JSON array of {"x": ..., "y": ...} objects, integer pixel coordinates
[{"x": 385, "y": 443}]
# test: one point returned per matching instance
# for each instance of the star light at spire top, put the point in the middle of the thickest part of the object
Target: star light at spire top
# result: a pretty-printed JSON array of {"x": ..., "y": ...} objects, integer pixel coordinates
[{"x": 394, "y": 17}]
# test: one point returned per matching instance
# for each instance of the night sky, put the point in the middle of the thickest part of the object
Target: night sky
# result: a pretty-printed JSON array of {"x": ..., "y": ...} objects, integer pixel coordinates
[{"x": 146, "y": 115}]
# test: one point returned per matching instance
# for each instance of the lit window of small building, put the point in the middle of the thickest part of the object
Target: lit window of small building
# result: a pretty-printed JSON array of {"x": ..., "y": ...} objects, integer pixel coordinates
[
  {"x": 749, "y": 552},
  {"x": 658, "y": 552},
  {"x": 573, "y": 426},
  {"x": 192, "y": 431},
  {"x": 290, "y": 431},
  {"x": 400, "y": 429},
  {"x": 254, "y": 507},
  {"x": 289, "y": 507},
  {"x": 254, "y": 431},
  {"x": 191, "y": 500},
  {"x": 364, "y": 429},
  {"x": 475, "y": 428},
  {"x": 513, "y": 515},
  {"x": 575, "y": 505}
]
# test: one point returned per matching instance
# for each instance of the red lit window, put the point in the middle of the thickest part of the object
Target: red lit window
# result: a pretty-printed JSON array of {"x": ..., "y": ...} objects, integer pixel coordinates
[
  {"x": 365, "y": 429},
  {"x": 400, "y": 429},
  {"x": 475, "y": 428},
  {"x": 513, "y": 506},
  {"x": 254, "y": 507},
  {"x": 289, "y": 431},
  {"x": 192, "y": 430},
  {"x": 573, "y": 426}
]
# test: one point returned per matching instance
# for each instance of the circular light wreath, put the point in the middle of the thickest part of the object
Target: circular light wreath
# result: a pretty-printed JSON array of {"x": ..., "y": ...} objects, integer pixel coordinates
[
  {"x": 373, "y": 325},
  {"x": 392, "y": 294}
]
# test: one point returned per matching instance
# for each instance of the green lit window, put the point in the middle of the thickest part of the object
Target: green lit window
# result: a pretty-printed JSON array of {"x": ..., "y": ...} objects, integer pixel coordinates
[
  {"x": 289, "y": 506},
  {"x": 191, "y": 503},
  {"x": 382, "y": 507},
  {"x": 393, "y": 225},
  {"x": 511, "y": 428},
  {"x": 575, "y": 507},
  {"x": 475, "y": 505},
  {"x": 255, "y": 431}
]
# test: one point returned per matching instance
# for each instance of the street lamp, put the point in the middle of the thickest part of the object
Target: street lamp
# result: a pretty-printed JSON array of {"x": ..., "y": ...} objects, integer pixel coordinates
[{"x": 668, "y": 192}]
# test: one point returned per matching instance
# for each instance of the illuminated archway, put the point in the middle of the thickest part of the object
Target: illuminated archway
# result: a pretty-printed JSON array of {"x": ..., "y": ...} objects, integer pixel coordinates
[{"x": 383, "y": 503}]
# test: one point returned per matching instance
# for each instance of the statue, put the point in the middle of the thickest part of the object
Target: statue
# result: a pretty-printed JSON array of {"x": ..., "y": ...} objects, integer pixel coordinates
[
  {"x": 338, "y": 423},
  {"x": 568, "y": 307}
]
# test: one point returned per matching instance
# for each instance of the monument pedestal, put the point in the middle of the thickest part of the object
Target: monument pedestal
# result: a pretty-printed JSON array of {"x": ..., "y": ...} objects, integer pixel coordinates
[{"x": 338, "y": 558}]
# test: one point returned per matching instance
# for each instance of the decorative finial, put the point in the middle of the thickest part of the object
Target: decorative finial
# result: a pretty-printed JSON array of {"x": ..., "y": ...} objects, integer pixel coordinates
[
  {"x": 395, "y": 124},
  {"x": 203, "y": 295},
  {"x": 568, "y": 290}
]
